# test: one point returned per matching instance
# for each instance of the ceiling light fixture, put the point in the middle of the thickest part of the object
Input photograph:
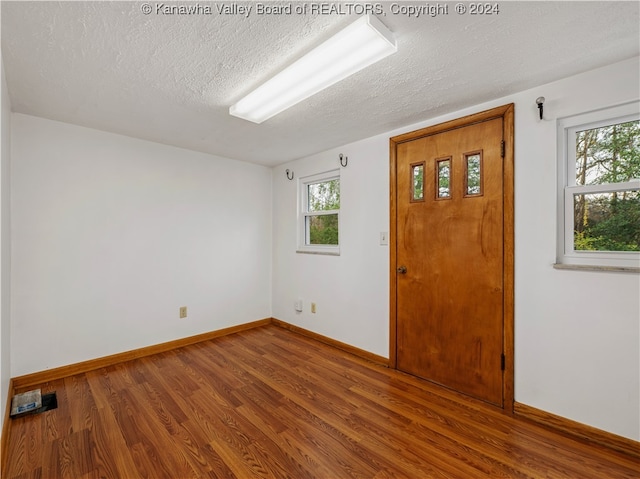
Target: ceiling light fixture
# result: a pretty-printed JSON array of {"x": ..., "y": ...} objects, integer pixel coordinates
[{"x": 359, "y": 45}]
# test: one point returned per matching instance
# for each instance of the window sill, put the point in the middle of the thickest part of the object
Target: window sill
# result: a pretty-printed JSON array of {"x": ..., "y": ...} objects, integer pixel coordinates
[
  {"x": 325, "y": 253},
  {"x": 608, "y": 269}
]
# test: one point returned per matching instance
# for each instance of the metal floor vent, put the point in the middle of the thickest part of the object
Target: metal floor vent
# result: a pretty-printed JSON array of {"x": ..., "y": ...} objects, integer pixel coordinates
[{"x": 32, "y": 402}]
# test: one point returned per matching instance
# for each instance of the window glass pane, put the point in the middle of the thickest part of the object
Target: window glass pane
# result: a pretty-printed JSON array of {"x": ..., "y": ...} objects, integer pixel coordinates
[
  {"x": 607, "y": 221},
  {"x": 474, "y": 173},
  {"x": 444, "y": 178},
  {"x": 324, "y": 196},
  {"x": 609, "y": 154},
  {"x": 418, "y": 182},
  {"x": 322, "y": 229}
]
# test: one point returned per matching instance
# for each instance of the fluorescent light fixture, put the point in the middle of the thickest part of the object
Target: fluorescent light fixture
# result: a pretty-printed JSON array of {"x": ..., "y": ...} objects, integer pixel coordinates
[{"x": 361, "y": 44}]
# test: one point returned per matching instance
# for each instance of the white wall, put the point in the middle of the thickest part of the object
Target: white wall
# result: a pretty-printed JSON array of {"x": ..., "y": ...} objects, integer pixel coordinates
[
  {"x": 351, "y": 290},
  {"x": 5, "y": 247},
  {"x": 577, "y": 333},
  {"x": 577, "y": 342},
  {"x": 111, "y": 235}
]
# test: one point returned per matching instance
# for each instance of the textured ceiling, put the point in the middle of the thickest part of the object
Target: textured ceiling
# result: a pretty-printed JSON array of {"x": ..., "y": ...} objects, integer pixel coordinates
[{"x": 171, "y": 78}]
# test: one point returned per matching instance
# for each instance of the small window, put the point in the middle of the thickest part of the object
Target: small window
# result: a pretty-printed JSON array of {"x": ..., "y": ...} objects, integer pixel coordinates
[
  {"x": 599, "y": 188},
  {"x": 443, "y": 178},
  {"x": 319, "y": 217},
  {"x": 473, "y": 174},
  {"x": 417, "y": 183}
]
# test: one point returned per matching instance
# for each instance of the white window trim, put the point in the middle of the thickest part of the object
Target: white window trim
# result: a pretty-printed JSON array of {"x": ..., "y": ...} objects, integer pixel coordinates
[
  {"x": 567, "y": 129},
  {"x": 303, "y": 213}
]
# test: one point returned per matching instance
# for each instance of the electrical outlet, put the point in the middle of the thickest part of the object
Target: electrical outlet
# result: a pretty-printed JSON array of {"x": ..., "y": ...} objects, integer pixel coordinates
[
  {"x": 183, "y": 312},
  {"x": 313, "y": 307}
]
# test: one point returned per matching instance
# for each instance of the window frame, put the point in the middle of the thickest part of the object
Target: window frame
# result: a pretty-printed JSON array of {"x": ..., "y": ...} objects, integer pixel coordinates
[
  {"x": 567, "y": 189},
  {"x": 304, "y": 213}
]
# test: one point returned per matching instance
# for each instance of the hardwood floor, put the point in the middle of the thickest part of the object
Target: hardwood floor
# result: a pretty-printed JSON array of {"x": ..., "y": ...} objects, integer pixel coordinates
[{"x": 269, "y": 403}]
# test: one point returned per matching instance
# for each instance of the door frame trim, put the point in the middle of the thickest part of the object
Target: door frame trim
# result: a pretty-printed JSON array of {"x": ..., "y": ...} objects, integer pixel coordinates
[{"x": 506, "y": 112}]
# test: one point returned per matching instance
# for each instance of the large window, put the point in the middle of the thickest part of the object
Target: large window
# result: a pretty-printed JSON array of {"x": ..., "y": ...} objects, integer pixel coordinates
[
  {"x": 599, "y": 188},
  {"x": 319, "y": 217}
]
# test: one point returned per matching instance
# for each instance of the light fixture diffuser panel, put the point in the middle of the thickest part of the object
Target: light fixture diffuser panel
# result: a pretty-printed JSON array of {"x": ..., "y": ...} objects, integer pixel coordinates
[{"x": 358, "y": 46}]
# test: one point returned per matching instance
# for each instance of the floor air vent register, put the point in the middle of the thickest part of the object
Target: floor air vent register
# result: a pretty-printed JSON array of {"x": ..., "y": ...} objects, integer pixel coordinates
[{"x": 32, "y": 402}]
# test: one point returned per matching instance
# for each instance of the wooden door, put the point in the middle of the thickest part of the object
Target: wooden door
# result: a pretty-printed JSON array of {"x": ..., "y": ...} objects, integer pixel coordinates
[{"x": 450, "y": 266}]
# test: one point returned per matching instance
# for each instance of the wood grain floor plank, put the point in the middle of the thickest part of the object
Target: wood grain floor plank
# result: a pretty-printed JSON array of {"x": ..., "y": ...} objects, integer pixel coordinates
[
  {"x": 110, "y": 452},
  {"x": 285, "y": 453},
  {"x": 154, "y": 438},
  {"x": 343, "y": 410},
  {"x": 78, "y": 392},
  {"x": 364, "y": 420},
  {"x": 269, "y": 403}
]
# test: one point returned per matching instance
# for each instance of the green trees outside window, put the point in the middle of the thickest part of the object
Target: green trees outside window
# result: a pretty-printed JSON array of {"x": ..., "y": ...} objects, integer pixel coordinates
[
  {"x": 323, "y": 199},
  {"x": 607, "y": 221}
]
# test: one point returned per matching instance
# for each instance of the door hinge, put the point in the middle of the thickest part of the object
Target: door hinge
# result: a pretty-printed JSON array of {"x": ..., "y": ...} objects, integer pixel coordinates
[
  {"x": 502, "y": 362},
  {"x": 502, "y": 149}
]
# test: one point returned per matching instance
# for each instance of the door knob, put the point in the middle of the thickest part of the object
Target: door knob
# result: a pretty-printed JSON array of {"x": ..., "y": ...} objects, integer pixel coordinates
[{"x": 402, "y": 270}]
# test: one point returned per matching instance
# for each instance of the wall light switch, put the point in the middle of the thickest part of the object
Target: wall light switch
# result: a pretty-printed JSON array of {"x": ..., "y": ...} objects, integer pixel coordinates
[
  {"x": 183, "y": 312},
  {"x": 384, "y": 238}
]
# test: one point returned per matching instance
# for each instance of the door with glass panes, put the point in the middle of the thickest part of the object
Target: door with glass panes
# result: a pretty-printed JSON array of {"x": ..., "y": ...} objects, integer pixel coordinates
[{"x": 450, "y": 258}]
